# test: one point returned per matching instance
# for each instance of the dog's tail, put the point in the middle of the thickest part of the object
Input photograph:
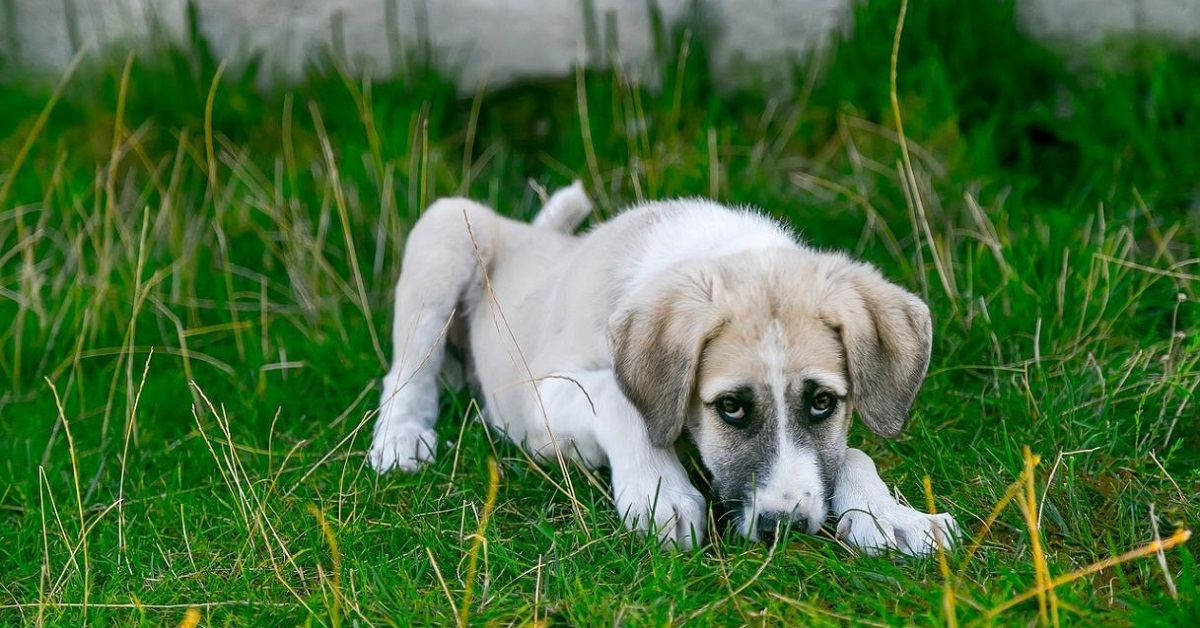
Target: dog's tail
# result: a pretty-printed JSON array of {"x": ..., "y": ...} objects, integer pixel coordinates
[{"x": 566, "y": 209}]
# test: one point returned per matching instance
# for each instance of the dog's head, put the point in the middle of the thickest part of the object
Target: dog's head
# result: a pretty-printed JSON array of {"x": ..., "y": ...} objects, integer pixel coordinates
[{"x": 762, "y": 357}]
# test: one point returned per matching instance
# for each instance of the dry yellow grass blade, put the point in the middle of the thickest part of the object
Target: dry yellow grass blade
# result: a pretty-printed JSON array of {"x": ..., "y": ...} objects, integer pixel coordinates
[
  {"x": 1023, "y": 491},
  {"x": 479, "y": 541},
  {"x": 1047, "y": 603},
  {"x": 1153, "y": 547},
  {"x": 38, "y": 126},
  {"x": 210, "y": 152},
  {"x": 191, "y": 618},
  {"x": 948, "y": 601},
  {"x": 83, "y": 525},
  {"x": 335, "y": 579},
  {"x": 1009, "y": 495},
  {"x": 908, "y": 180}
]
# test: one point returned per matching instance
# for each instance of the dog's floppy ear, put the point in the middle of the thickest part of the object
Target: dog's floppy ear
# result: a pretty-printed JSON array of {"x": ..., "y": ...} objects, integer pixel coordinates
[
  {"x": 888, "y": 335},
  {"x": 656, "y": 339}
]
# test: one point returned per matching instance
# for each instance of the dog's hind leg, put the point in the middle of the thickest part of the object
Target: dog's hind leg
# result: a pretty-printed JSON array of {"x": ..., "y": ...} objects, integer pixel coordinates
[{"x": 441, "y": 270}]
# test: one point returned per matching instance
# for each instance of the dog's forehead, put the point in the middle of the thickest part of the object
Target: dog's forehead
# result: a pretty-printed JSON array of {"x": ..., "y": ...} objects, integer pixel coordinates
[{"x": 759, "y": 347}]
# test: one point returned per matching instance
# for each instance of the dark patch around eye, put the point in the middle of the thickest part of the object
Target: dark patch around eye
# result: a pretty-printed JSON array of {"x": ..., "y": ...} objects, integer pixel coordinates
[
  {"x": 822, "y": 406},
  {"x": 753, "y": 408},
  {"x": 804, "y": 408},
  {"x": 735, "y": 407}
]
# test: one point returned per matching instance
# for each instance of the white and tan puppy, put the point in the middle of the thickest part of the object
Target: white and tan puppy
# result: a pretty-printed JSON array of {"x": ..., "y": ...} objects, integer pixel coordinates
[{"x": 678, "y": 317}]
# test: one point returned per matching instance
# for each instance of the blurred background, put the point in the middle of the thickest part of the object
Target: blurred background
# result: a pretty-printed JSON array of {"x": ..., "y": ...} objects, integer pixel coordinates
[
  {"x": 495, "y": 43},
  {"x": 203, "y": 207}
]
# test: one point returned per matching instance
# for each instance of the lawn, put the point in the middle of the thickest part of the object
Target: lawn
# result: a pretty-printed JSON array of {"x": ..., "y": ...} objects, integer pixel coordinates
[{"x": 195, "y": 280}]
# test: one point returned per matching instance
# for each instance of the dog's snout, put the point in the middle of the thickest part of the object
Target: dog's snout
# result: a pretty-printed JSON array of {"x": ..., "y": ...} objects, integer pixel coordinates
[{"x": 768, "y": 525}]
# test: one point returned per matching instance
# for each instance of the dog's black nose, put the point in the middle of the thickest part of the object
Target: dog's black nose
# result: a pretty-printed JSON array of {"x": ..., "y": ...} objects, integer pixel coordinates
[{"x": 769, "y": 525}]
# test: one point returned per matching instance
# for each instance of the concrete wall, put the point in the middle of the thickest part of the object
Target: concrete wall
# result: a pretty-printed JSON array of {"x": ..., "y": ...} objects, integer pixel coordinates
[
  {"x": 496, "y": 42},
  {"x": 1088, "y": 22},
  {"x": 43, "y": 35}
]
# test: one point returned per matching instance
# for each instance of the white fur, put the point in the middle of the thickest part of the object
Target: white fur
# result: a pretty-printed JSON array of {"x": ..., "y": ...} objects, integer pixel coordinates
[
  {"x": 650, "y": 486},
  {"x": 873, "y": 521},
  {"x": 699, "y": 229},
  {"x": 565, "y": 209},
  {"x": 794, "y": 482},
  {"x": 793, "y": 485}
]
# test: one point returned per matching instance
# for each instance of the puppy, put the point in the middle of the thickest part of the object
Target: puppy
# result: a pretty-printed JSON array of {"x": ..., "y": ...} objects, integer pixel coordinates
[{"x": 674, "y": 317}]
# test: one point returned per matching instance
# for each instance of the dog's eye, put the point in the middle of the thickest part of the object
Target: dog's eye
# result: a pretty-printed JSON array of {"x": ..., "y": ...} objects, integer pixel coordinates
[
  {"x": 822, "y": 406},
  {"x": 732, "y": 411}
]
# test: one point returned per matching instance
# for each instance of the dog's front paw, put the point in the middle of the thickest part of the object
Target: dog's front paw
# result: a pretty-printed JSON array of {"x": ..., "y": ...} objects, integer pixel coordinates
[
  {"x": 676, "y": 515},
  {"x": 405, "y": 447},
  {"x": 896, "y": 527}
]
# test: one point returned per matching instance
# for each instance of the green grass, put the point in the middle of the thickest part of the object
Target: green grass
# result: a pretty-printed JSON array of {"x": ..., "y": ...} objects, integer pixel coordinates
[{"x": 197, "y": 319}]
